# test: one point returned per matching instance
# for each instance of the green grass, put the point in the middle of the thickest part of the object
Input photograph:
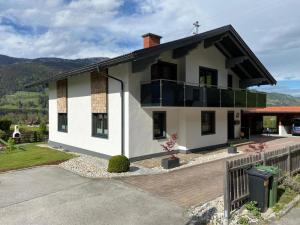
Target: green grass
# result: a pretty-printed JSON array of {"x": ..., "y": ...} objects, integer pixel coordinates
[
  {"x": 25, "y": 100},
  {"x": 285, "y": 196},
  {"x": 31, "y": 155}
]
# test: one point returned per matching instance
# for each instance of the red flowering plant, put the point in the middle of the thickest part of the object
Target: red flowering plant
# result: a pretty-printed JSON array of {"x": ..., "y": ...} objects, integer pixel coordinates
[{"x": 170, "y": 144}]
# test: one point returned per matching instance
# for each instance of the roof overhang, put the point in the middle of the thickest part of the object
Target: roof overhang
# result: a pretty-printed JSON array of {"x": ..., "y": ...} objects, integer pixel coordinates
[
  {"x": 275, "y": 110},
  {"x": 240, "y": 59}
]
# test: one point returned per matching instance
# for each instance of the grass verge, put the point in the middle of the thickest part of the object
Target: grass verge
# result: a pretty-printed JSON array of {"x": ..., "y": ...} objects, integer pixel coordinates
[
  {"x": 32, "y": 155},
  {"x": 285, "y": 196}
]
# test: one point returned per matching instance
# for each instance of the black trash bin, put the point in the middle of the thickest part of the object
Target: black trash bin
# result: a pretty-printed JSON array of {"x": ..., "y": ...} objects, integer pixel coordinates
[{"x": 259, "y": 187}]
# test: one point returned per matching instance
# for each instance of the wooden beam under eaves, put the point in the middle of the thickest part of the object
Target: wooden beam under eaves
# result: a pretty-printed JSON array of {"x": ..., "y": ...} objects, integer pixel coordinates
[
  {"x": 235, "y": 61},
  {"x": 211, "y": 41},
  {"x": 141, "y": 64},
  {"x": 182, "y": 51},
  {"x": 244, "y": 52},
  {"x": 251, "y": 82}
]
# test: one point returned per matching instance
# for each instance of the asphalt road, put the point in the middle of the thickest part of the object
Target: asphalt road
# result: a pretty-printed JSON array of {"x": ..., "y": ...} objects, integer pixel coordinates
[
  {"x": 51, "y": 195},
  {"x": 292, "y": 218}
]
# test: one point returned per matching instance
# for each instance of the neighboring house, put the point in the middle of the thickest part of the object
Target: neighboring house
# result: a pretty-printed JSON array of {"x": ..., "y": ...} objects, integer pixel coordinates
[{"x": 131, "y": 104}]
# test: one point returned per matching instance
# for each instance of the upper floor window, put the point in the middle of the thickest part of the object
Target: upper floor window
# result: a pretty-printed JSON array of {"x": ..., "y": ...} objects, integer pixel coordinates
[
  {"x": 164, "y": 70},
  {"x": 63, "y": 122},
  {"x": 208, "y": 77},
  {"x": 159, "y": 125}
]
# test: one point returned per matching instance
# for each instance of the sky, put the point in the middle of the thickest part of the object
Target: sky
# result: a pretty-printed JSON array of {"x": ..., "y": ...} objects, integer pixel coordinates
[{"x": 108, "y": 28}]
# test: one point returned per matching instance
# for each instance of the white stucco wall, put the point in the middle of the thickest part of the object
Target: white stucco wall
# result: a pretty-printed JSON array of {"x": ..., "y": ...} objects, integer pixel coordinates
[
  {"x": 185, "y": 121},
  {"x": 138, "y": 120},
  {"x": 208, "y": 57},
  {"x": 79, "y": 114}
]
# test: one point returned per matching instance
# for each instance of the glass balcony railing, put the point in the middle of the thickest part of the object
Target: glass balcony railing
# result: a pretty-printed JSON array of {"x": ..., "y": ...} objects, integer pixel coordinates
[{"x": 180, "y": 94}]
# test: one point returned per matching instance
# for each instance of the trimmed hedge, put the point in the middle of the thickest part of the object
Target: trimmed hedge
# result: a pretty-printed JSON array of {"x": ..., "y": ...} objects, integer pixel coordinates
[
  {"x": 5, "y": 125},
  {"x": 118, "y": 164}
]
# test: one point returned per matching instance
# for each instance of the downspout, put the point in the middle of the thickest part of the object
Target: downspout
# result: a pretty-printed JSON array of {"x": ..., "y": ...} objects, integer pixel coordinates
[{"x": 122, "y": 109}]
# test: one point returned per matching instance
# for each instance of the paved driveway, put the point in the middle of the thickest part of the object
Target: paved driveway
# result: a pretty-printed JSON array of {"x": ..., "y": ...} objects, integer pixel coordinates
[
  {"x": 51, "y": 195},
  {"x": 198, "y": 184},
  {"x": 188, "y": 186}
]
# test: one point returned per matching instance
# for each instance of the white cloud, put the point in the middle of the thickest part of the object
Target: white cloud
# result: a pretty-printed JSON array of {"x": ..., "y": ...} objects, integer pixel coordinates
[{"x": 86, "y": 28}]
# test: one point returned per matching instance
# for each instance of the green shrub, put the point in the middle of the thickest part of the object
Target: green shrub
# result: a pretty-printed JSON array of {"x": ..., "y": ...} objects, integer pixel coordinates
[
  {"x": 2, "y": 134},
  {"x": 252, "y": 207},
  {"x": 42, "y": 128},
  {"x": 243, "y": 220},
  {"x": 118, "y": 164},
  {"x": 11, "y": 146},
  {"x": 5, "y": 125}
]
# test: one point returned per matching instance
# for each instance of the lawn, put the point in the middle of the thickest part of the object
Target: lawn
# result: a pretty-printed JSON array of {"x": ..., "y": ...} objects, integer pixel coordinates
[{"x": 31, "y": 155}]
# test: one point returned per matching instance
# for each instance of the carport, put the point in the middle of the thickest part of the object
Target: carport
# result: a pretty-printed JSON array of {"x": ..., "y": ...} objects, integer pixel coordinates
[{"x": 253, "y": 119}]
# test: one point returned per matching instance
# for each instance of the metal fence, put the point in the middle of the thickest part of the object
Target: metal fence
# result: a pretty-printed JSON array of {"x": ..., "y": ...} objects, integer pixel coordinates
[{"x": 236, "y": 186}]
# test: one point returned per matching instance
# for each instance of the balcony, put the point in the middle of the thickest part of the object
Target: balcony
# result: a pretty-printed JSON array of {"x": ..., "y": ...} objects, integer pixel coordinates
[{"x": 180, "y": 94}]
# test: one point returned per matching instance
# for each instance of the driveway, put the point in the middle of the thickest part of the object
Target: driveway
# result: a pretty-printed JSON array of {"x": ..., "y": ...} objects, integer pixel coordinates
[
  {"x": 51, "y": 195},
  {"x": 188, "y": 186},
  {"x": 201, "y": 183}
]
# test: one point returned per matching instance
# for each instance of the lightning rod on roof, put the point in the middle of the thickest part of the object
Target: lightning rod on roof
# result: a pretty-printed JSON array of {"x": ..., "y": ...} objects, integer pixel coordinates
[{"x": 196, "y": 27}]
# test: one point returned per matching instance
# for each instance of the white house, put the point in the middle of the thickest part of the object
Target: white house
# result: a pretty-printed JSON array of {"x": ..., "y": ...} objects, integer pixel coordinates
[{"x": 195, "y": 87}]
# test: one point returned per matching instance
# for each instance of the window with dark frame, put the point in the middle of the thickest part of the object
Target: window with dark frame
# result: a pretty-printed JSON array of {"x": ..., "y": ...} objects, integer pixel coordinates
[
  {"x": 100, "y": 125},
  {"x": 208, "y": 77},
  {"x": 208, "y": 122},
  {"x": 159, "y": 125},
  {"x": 63, "y": 122},
  {"x": 229, "y": 81},
  {"x": 164, "y": 70}
]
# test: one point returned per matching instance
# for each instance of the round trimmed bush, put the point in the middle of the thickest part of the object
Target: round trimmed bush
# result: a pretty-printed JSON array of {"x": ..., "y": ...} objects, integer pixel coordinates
[{"x": 118, "y": 164}]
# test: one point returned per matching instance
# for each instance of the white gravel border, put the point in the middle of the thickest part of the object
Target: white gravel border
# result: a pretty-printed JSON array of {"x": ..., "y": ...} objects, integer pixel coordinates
[{"x": 94, "y": 167}]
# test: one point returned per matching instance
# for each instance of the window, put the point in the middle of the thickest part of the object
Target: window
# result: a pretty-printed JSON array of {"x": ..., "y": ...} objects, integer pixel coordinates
[
  {"x": 63, "y": 122},
  {"x": 208, "y": 122},
  {"x": 229, "y": 81},
  {"x": 159, "y": 125},
  {"x": 164, "y": 70},
  {"x": 208, "y": 76},
  {"x": 99, "y": 125}
]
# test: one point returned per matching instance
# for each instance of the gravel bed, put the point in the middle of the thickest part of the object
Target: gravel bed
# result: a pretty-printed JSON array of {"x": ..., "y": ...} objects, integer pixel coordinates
[
  {"x": 94, "y": 167},
  {"x": 208, "y": 213}
]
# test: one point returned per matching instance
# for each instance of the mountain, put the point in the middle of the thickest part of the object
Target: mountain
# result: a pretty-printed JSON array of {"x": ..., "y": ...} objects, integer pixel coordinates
[
  {"x": 279, "y": 99},
  {"x": 16, "y": 72}
]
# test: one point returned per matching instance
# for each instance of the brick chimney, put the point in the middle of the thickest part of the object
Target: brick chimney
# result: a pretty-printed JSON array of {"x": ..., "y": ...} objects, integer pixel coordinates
[{"x": 151, "y": 40}]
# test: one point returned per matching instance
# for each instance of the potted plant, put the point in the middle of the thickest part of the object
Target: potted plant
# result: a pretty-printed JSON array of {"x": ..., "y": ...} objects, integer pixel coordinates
[
  {"x": 232, "y": 149},
  {"x": 172, "y": 161}
]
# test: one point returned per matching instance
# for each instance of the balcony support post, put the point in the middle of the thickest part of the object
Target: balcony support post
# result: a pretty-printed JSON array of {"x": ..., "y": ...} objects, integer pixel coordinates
[
  {"x": 234, "y": 98},
  {"x": 184, "y": 94},
  {"x": 160, "y": 90}
]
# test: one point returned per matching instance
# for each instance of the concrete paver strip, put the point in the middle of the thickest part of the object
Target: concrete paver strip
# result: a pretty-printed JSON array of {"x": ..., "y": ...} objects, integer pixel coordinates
[{"x": 51, "y": 195}]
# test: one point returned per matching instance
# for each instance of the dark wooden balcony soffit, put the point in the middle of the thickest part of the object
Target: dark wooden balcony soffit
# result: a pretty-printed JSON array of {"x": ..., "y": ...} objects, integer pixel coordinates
[{"x": 239, "y": 58}]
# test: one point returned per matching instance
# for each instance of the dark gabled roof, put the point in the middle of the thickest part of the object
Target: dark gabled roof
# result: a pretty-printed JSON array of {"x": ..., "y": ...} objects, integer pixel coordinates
[{"x": 229, "y": 40}]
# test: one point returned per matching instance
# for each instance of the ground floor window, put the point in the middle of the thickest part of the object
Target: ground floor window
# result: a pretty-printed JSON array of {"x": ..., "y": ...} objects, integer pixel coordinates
[
  {"x": 159, "y": 125},
  {"x": 100, "y": 125},
  {"x": 208, "y": 122},
  {"x": 63, "y": 122}
]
